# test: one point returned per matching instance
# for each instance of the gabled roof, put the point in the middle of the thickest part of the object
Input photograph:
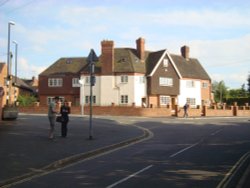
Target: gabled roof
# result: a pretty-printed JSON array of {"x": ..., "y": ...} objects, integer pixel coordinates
[
  {"x": 68, "y": 65},
  {"x": 21, "y": 84},
  {"x": 127, "y": 61},
  {"x": 190, "y": 68},
  {"x": 153, "y": 59}
]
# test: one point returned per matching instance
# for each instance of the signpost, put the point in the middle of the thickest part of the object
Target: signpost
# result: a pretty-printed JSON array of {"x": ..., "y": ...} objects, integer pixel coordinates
[{"x": 92, "y": 58}]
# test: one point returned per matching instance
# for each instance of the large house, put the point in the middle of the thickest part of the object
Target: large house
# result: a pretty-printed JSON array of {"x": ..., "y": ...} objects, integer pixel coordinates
[{"x": 129, "y": 76}]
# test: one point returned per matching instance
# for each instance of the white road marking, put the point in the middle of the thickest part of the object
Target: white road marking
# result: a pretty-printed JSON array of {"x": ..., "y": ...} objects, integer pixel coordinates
[
  {"x": 130, "y": 176},
  {"x": 177, "y": 153},
  {"x": 216, "y": 132}
]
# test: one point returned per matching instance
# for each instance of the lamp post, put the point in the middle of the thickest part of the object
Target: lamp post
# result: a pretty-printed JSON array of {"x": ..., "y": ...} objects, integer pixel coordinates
[
  {"x": 91, "y": 59},
  {"x": 8, "y": 62},
  {"x": 16, "y": 49}
]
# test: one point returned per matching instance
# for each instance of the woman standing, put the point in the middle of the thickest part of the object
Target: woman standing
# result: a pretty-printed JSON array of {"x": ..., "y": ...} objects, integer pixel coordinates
[{"x": 65, "y": 111}]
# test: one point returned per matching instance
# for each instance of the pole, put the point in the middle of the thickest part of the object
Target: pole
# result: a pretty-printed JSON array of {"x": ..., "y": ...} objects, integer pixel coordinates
[
  {"x": 91, "y": 99},
  {"x": 91, "y": 59},
  {"x": 8, "y": 63},
  {"x": 16, "y": 49}
]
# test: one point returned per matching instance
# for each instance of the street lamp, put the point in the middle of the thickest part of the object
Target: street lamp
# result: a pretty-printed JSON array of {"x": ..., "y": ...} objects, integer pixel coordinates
[
  {"x": 8, "y": 50},
  {"x": 8, "y": 62}
]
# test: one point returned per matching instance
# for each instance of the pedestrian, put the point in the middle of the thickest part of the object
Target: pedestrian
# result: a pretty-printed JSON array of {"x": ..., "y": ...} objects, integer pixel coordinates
[
  {"x": 185, "y": 107},
  {"x": 65, "y": 111},
  {"x": 52, "y": 112}
]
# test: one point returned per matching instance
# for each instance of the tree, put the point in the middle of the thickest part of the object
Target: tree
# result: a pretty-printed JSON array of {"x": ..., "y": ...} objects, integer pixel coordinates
[
  {"x": 220, "y": 91},
  {"x": 248, "y": 84}
]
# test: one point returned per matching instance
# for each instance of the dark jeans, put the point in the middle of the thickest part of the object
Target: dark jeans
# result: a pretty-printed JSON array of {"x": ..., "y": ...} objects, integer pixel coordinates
[{"x": 64, "y": 128}]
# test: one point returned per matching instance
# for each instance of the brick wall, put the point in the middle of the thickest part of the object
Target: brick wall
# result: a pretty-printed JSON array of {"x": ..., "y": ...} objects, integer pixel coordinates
[{"x": 146, "y": 112}]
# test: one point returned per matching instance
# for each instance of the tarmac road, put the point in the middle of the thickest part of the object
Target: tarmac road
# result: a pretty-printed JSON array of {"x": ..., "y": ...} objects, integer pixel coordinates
[{"x": 177, "y": 152}]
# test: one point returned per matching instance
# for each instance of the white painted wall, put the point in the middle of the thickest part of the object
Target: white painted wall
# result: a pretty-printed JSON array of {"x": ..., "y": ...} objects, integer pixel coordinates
[
  {"x": 194, "y": 92},
  {"x": 108, "y": 90}
]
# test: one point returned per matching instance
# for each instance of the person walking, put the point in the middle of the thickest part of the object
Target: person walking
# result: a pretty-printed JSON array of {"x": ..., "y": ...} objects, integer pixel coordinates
[
  {"x": 65, "y": 111},
  {"x": 185, "y": 107},
  {"x": 52, "y": 112}
]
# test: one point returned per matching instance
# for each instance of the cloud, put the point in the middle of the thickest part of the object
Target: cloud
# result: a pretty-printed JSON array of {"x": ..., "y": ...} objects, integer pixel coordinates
[
  {"x": 201, "y": 18},
  {"x": 27, "y": 70}
]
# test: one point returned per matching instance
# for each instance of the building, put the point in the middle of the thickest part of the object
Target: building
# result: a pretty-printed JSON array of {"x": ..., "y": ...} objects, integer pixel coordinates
[
  {"x": 129, "y": 76},
  {"x": 61, "y": 79}
]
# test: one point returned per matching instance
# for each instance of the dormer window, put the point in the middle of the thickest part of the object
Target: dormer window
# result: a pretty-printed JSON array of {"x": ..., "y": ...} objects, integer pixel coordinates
[{"x": 68, "y": 61}]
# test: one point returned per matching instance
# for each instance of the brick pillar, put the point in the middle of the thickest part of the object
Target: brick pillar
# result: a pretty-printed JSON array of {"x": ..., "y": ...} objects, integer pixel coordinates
[
  {"x": 176, "y": 110},
  {"x": 204, "y": 110}
]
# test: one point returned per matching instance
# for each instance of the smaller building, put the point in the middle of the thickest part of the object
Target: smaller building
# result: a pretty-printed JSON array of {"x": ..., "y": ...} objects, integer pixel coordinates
[{"x": 62, "y": 79}]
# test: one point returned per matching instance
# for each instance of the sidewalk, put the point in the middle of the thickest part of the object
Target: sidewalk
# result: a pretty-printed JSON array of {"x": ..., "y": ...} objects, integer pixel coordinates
[{"x": 26, "y": 148}]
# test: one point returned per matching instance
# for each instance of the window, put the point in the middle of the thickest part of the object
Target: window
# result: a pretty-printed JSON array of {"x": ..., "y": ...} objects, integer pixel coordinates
[
  {"x": 55, "y": 82},
  {"x": 124, "y": 79},
  {"x": 75, "y": 82},
  {"x": 190, "y": 84},
  {"x": 164, "y": 100},
  {"x": 204, "y": 85},
  {"x": 87, "y": 99},
  {"x": 141, "y": 79},
  {"x": 50, "y": 99},
  {"x": 124, "y": 99},
  {"x": 87, "y": 80},
  {"x": 166, "y": 81},
  {"x": 191, "y": 101},
  {"x": 165, "y": 63}
]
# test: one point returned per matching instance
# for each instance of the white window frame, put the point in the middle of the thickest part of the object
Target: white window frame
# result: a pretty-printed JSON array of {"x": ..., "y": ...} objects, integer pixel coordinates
[
  {"x": 165, "y": 63},
  {"x": 87, "y": 80},
  {"x": 124, "y": 79},
  {"x": 50, "y": 99},
  {"x": 165, "y": 81},
  {"x": 141, "y": 79},
  {"x": 55, "y": 82},
  {"x": 191, "y": 101},
  {"x": 75, "y": 82},
  {"x": 124, "y": 99},
  {"x": 190, "y": 84},
  {"x": 165, "y": 100},
  {"x": 204, "y": 85},
  {"x": 87, "y": 99}
]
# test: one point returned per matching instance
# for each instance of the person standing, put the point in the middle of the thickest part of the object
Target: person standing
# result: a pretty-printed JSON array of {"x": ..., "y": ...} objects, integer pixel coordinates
[
  {"x": 65, "y": 111},
  {"x": 52, "y": 112}
]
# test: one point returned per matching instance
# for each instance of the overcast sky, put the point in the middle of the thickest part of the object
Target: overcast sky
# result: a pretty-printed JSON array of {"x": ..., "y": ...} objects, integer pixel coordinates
[{"x": 217, "y": 31}]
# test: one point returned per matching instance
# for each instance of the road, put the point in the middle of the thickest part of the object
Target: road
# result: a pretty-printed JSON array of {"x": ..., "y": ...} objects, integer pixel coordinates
[{"x": 181, "y": 153}]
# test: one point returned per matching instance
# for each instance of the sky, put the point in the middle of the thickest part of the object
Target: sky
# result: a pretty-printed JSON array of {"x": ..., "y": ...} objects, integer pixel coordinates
[{"x": 217, "y": 31}]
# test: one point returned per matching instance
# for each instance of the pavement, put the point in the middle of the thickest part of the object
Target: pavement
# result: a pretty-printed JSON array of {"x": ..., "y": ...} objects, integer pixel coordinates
[{"x": 26, "y": 151}]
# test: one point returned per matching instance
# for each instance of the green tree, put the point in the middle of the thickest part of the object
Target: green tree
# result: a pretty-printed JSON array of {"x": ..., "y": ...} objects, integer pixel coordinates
[
  {"x": 220, "y": 91},
  {"x": 26, "y": 100},
  {"x": 248, "y": 84}
]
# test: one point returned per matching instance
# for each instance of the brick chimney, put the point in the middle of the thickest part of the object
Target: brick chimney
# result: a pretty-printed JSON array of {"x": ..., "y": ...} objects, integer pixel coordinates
[
  {"x": 140, "y": 47},
  {"x": 185, "y": 52},
  {"x": 107, "y": 57}
]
